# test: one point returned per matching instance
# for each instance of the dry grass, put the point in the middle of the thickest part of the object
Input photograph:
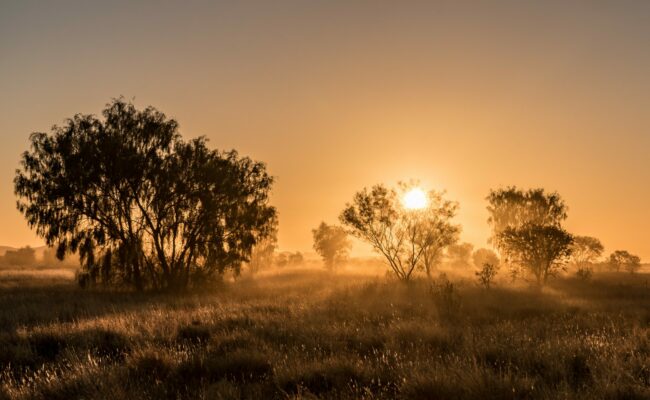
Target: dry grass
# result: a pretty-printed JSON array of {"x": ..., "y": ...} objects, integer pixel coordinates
[{"x": 307, "y": 334}]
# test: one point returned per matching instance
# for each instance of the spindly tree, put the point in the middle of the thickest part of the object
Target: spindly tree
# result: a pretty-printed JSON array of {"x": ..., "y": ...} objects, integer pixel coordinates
[
  {"x": 527, "y": 230},
  {"x": 332, "y": 244},
  {"x": 401, "y": 235},
  {"x": 139, "y": 203}
]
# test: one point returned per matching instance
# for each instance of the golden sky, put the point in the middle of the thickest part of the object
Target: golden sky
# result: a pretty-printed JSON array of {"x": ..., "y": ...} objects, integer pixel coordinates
[{"x": 335, "y": 96}]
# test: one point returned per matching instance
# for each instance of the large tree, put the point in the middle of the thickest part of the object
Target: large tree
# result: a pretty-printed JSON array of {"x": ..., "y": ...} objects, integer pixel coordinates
[
  {"x": 332, "y": 244},
  {"x": 402, "y": 236},
  {"x": 527, "y": 230},
  {"x": 139, "y": 203}
]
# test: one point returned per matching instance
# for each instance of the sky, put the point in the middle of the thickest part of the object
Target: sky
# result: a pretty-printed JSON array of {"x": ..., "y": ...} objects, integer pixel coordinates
[{"x": 338, "y": 95}]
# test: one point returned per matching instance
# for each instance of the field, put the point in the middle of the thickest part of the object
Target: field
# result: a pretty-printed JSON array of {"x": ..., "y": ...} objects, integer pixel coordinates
[{"x": 305, "y": 333}]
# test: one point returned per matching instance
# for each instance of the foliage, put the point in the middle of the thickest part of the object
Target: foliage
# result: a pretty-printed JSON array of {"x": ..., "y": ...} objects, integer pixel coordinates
[
  {"x": 527, "y": 230},
  {"x": 459, "y": 255},
  {"x": 542, "y": 250},
  {"x": 584, "y": 273},
  {"x": 405, "y": 238},
  {"x": 480, "y": 257},
  {"x": 512, "y": 208},
  {"x": 307, "y": 334},
  {"x": 263, "y": 253},
  {"x": 25, "y": 256},
  {"x": 486, "y": 274},
  {"x": 289, "y": 259},
  {"x": 160, "y": 211},
  {"x": 585, "y": 250},
  {"x": 446, "y": 297},
  {"x": 621, "y": 259},
  {"x": 332, "y": 244}
]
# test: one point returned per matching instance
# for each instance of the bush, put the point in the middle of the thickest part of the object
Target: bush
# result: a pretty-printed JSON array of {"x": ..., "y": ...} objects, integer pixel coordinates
[
  {"x": 446, "y": 297},
  {"x": 584, "y": 273}
]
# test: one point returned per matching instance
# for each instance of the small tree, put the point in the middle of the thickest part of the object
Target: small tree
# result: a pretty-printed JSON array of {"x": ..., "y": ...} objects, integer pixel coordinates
[
  {"x": 332, "y": 244},
  {"x": 622, "y": 259},
  {"x": 486, "y": 274},
  {"x": 402, "y": 236}
]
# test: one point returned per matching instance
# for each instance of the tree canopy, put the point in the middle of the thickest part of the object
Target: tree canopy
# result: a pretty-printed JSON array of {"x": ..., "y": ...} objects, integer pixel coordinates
[{"x": 142, "y": 206}]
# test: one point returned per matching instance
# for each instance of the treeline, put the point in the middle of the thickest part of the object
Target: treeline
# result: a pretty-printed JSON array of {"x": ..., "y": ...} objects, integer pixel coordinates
[
  {"x": 146, "y": 209},
  {"x": 26, "y": 257},
  {"x": 527, "y": 235}
]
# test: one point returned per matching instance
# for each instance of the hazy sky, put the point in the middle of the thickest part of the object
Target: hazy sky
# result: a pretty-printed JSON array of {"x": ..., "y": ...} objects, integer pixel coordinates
[{"x": 335, "y": 96}]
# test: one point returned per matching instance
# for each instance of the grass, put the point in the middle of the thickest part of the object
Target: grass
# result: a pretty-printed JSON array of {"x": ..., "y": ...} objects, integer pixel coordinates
[{"x": 309, "y": 334}]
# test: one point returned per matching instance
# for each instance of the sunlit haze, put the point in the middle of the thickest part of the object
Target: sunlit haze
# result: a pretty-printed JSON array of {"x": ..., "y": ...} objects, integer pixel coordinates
[{"x": 335, "y": 96}]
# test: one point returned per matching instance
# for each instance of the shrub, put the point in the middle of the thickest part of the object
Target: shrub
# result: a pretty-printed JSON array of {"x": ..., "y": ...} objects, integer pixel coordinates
[
  {"x": 584, "y": 273},
  {"x": 446, "y": 297}
]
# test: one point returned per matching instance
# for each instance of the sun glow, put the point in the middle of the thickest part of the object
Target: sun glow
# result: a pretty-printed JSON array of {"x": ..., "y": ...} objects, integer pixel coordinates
[{"x": 415, "y": 199}]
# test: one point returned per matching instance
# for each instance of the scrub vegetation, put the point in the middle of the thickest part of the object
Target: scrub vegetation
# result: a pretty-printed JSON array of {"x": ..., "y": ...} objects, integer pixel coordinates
[{"x": 309, "y": 333}]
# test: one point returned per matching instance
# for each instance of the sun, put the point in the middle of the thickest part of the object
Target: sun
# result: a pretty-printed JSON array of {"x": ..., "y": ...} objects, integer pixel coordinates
[{"x": 415, "y": 199}]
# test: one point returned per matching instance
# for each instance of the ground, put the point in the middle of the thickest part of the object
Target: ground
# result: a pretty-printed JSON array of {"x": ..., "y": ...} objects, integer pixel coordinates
[{"x": 311, "y": 334}]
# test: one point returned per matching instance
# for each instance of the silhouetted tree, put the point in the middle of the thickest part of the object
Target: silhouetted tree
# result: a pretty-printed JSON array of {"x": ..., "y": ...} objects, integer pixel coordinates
[
  {"x": 332, "y": 244},
  {"x": 459, "y": 255},
  {"x": 526, "y": 228},
  {"x": 541, "y": 249},
  {"x": 401, "y": 236},
  {"x": 480, "y": 257},
  {"x": 171, "y": 212},
  {"x": 622, "y": 259}
]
